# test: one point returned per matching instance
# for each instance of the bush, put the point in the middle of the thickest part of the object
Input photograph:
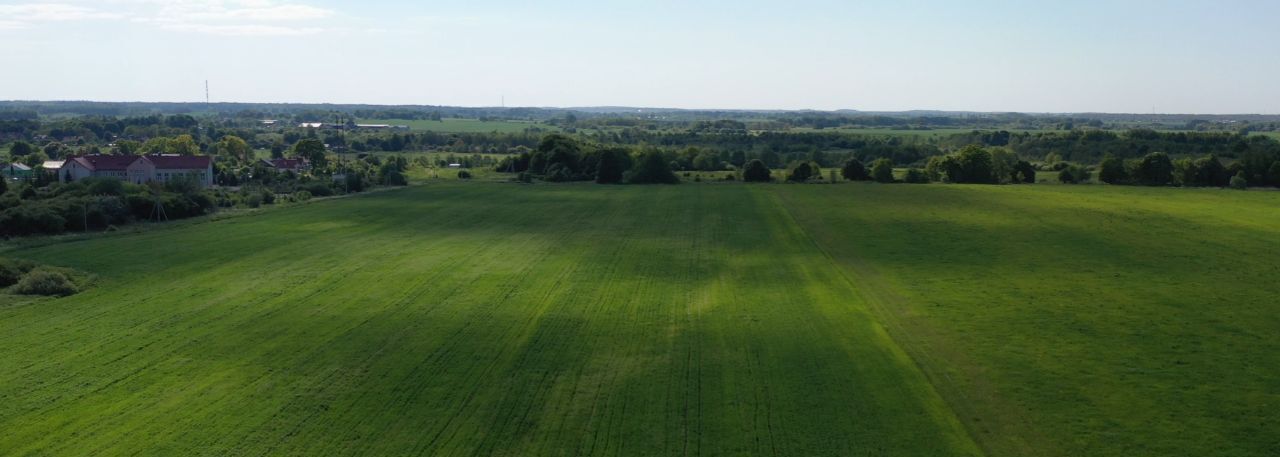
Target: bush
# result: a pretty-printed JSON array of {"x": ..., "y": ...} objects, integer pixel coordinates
[
  {"x": 394, "y": 178},
  {"x": 916, "y": 176},
  {"x": 45, "y": 281},
  {"x": 31, "y": 219},
  {"x": 301, "y": 196},
  {"x": 12, "y": 270},
  {"x": 354, "y": 182},
  {"x": 464, "y": 174},
  {"x": 1238, "y": 182},
  {"x": 318, "y": 189},
  {"x": 557, "y": 172}
]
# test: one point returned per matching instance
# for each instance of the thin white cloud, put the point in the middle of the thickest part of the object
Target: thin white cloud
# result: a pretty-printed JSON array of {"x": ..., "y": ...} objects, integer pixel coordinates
[
  {"x": 249, "y": 30},
  {"x": 213, "y": 17},
  {"x": 24, "y": 15}
]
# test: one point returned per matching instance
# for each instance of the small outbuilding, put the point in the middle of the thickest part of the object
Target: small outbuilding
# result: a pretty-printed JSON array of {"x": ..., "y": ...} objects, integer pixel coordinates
[{"x": 16, "y": 171}]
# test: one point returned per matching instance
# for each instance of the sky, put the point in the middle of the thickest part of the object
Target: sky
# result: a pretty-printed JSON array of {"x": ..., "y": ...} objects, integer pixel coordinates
[{"x": 1127, "y": 56}]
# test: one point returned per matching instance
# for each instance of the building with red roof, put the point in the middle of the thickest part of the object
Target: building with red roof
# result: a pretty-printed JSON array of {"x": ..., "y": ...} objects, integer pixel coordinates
[{"x": 139, "y": 169}]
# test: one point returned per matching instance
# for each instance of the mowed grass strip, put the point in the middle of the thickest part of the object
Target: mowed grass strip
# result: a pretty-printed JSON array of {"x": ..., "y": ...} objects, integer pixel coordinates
[
  {"x": 467, "y": 319},
  {"x": 1075, "y": 320}
]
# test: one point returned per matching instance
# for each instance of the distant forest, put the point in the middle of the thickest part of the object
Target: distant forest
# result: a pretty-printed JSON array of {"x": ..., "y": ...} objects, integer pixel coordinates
[{"x": 776, "y": 137}]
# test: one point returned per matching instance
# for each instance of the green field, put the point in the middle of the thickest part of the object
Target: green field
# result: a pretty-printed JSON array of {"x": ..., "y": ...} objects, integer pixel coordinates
[
  {"x": 502, "y": 319},
  {"x": 908, "y": 133},
  {"x": 455, "y": 125}
]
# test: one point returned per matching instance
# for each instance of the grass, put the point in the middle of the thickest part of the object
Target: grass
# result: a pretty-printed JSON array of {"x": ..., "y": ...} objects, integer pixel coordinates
[
  {"x": 482, "y": 318},
  {"x": 456, "y": 125},
  {"x": 467, "y": 319},
  {"x": 1074, "y": 320}
]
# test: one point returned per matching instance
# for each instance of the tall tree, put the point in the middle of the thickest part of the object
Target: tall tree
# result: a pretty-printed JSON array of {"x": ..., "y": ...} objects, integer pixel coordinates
[
  {"x": 612, "y": 165},
  {"x": 882, "y": 170},
  {"x": 652, "y": 168},
  {"x": 232, "y": 146},
  {"x": 182, "y": 145},
  {"x": 1155, "y": 169},
  {"x": 800, "y": 173},
  {"x": 854, "y": 170},
  {"x": 756, "y": 171},
  {"x": 312, "y": 150},
  {"x": 975, "y": 165},
  {"x": 1111, "y": 170},
  {"x": 20, "y": 148}
]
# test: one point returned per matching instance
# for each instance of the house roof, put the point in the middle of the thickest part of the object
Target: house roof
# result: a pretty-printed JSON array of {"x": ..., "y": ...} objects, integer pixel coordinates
[
  {"x": 52, "y": 164},
  {"x": 178, "y": 162},
  {"x": 20, "y": 167},
  {"x": 286, "y": 163},
  {"x": 105, "y": 162}
]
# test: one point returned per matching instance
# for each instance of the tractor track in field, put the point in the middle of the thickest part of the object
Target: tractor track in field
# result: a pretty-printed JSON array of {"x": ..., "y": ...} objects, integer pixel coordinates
[{"x": 923, "y": 347}]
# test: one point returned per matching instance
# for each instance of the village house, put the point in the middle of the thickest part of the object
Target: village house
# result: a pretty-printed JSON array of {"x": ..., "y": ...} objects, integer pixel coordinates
[
  {"x": 139, "y": 169},
  {"x": 282, "y": 165}
]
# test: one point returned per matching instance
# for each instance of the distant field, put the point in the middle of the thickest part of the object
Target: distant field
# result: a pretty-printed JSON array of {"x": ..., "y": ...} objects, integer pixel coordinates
[
  {"x": 451, "y": 125},
  {"x": 502, "y": 319},
  {"x": 910, "y": 133}
]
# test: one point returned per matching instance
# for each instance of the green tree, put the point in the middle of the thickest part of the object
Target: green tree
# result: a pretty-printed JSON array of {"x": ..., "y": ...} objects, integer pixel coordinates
[
  {"x": 706, "y": 161},
  {"x": 154, "y": 145},
  {"x": 1273, "y": 173},
  {"x": 975, "y": 165},
  {"x": 1004, "y": 166},
  {"x": 312, "y": 150},
  {"x": 182, "y": 145},
  {"x": 652, "y": 168},
  {"x": 1024, "y": 172},
  {"x": 882, "y": 170},
  {"x": 56, "y": 150},
  {"x": 231, "y": 146},
  {"x": 738, "y": 158},
  {"x": 943, "y": 169},
  {"x": 771, "y": 158},
  {"x": 854, "y": 170},
  {"x": 1155, "y": 169},
  {"x": 756, "y": 171},
  {"x": 20, "y": 149},
  {"x": 126, "y": 147},
  {"x": 556, "y": 148},
  {"x": 800, "y": 173},
  {"x": 611, "y": 167},
  {"x": 1210, "y": 172},
  {"x": 1111, "y": 170},
  {"x": 1184, "y": 172},
  {"x": 277, "y": 149}
]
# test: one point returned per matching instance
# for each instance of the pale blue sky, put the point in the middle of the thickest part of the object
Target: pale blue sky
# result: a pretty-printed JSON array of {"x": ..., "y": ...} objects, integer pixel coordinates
[{"x": 984, "y": 55}]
